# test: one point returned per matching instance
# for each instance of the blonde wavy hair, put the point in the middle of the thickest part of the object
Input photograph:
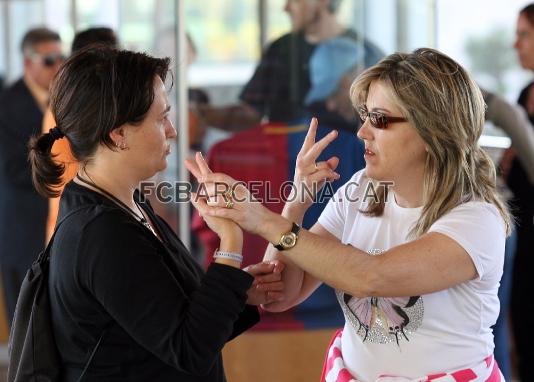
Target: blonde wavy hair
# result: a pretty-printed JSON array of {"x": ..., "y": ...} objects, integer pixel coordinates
[{"x": 445, "y": 106}]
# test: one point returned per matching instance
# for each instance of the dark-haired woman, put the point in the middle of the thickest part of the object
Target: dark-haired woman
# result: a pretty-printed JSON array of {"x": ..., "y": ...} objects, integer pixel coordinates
[{"x": 118, "y": 272}]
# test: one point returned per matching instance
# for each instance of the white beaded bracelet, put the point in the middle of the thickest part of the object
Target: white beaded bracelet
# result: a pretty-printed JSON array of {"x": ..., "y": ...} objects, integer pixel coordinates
[{"x": 228, "y": 255}]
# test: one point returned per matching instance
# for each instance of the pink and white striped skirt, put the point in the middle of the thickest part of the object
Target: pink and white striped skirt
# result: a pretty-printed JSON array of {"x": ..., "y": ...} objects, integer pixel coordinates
[{"x": 334, "y": 370}]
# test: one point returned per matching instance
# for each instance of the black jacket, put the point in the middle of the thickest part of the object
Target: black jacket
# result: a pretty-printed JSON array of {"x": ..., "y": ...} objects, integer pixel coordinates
[
  {"x": 23, "y": 212},
  {"x": 523, "y": 190},
  {"x": 167, "y": 319}
]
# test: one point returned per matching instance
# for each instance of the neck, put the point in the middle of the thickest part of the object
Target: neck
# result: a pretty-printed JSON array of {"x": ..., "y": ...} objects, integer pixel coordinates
[
  {"x": 112, "y": 178},
  {"x": 325, "y": 28},
  {"x": 409, "y": 192}
]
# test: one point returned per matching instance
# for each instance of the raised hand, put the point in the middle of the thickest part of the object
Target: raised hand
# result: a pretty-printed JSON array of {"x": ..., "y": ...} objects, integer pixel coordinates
[
  {"x": 310, "y": 175},
  {"x": 225, "y": 197},
  {"x": 224, "y": 228}
]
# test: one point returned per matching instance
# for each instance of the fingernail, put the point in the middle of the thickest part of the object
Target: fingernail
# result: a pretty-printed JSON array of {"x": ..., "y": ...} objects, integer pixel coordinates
[{"x": 202, "y": 156}]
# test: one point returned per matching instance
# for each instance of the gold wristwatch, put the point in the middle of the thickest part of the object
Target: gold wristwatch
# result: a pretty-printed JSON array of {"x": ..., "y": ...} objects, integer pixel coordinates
[{"x": 288, "y": 239}]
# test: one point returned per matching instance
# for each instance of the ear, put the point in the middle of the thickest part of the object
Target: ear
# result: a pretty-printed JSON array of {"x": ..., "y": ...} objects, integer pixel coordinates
[
  {"x": 27, "y": 62},
  {"x": 118, "y": 135}
]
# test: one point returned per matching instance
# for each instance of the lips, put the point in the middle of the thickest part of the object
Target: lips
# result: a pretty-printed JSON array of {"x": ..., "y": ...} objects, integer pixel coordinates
[{"x": 369, "y": 152}]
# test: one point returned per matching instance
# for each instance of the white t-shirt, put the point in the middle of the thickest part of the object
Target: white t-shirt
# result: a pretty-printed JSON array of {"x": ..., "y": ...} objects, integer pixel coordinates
[{"x": 437, "y": 332}]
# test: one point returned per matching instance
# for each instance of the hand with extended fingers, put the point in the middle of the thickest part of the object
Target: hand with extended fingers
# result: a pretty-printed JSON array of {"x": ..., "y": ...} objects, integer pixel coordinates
[
  {"x": 268, "y": 286},
  {"x": 220, "y": 196},
  {"x": 224, "y": 197},
  {"x": 310, "y": 175},
  {"x": 208, "y": 195}
]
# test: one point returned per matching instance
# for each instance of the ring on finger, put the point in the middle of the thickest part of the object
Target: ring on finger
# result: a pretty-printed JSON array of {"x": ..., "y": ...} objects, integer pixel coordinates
[
  {"x": 229, "y": 195},
  {"x": 229, "y": 204}
]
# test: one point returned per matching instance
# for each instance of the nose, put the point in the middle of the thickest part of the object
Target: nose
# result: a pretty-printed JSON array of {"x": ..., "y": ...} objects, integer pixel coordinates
[
  {"x": 286, "y": 6},
  {"x": 170, "y": 130},
  {"x": 365, "y": 132},
  {"x": 516, "y": 44}
]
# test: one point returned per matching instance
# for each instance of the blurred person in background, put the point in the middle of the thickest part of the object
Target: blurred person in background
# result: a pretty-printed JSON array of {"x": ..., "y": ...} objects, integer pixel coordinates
[
  {"x": 281, "y": 80},
  {"x": 61, "y": 148},
  {"x": 23, "y": 212},
  {"x": 514, "y": 121},
  {"x": 522, "y": 187}
]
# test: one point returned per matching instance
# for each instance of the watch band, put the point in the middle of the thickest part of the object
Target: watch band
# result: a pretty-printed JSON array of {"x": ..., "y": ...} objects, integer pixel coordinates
[{"x": 295, "y": 228}]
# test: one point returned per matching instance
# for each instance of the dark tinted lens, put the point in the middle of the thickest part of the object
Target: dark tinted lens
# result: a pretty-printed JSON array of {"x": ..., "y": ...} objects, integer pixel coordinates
[
  {"x": 51, "y": 59},
  {"x": 374, "y": 119},
  {"x": 378, "y": 120},
  {"x": 362, "y": 113}
]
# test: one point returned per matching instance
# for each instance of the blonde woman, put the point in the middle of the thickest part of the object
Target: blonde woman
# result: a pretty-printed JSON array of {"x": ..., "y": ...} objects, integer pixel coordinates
[{"x": 413, "y": 244}]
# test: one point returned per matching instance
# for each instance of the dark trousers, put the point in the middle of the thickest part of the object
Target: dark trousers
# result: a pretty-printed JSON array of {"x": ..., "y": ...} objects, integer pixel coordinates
[
  {"x": 22, "y": 237},
  {"x": 522, "y": 304},
  {"x": 500, "y": 330},
  {"x": 12, "y": 277}
]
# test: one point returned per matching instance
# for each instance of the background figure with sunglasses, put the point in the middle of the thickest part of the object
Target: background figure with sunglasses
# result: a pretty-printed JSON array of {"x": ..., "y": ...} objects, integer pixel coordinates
[
  {"x": 413, "y": 244},
  {"x": 23, "y": 212}
]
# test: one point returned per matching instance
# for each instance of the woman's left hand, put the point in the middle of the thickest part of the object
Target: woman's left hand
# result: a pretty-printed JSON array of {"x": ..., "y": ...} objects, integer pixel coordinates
[
  {"x": 268, "y": 285},
  {"x": 226, "y": 229},
  {"x": 222, "y": 196}
]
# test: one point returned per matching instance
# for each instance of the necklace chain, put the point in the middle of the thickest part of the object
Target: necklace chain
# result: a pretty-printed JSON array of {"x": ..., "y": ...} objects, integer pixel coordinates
[{"x": 141, "y": 218}]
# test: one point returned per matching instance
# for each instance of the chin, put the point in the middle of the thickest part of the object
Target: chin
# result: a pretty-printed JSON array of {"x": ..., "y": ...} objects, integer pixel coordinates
[{"x": 371, "y": 172}]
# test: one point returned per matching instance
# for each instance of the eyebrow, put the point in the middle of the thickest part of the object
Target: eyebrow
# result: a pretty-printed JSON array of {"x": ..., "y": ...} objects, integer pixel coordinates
[{"x": 380, "y": 109}]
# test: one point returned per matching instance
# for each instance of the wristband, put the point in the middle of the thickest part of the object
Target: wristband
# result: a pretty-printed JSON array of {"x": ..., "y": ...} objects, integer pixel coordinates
[{"x": 228, "y": 255}]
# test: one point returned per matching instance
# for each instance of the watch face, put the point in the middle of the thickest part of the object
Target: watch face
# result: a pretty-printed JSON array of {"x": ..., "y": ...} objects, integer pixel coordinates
[{"x": 289, "y": 240}]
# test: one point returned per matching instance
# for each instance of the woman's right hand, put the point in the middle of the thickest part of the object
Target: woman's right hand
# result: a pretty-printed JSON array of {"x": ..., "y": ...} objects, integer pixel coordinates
[{"x": 310, "y": 175}]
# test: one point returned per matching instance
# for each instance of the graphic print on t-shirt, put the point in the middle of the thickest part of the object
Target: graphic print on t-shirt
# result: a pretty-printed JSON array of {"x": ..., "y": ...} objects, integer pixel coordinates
[{"x": 382, "y": 319}]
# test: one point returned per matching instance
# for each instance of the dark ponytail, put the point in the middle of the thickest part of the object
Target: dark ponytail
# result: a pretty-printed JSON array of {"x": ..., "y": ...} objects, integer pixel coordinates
[{"x": 46, "y": 173}]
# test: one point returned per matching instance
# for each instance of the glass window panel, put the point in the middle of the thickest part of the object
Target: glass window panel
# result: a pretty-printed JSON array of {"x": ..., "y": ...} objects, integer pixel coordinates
[
  {"x": 277, "y": 19},
  {"x": 485, "y": 49},
  {"x": 226, "y": 34},
  {"x": 90, "y": 13},
  {"x": 3, "y": 47},
  {"x": 228, "y": 29},
  {"x": 22, "y": 15}
]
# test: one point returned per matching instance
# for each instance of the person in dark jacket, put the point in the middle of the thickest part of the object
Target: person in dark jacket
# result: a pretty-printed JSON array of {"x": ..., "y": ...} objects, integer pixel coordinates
[
  {"x": 23, "y": 212},
  {"x": 281, "y": 80},
  {"x": 516, "y": 175},
  {"x": 117, "y": 269}
]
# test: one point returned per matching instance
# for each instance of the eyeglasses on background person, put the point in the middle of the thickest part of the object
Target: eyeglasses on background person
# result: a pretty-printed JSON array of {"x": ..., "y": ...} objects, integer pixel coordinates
[{"x": 49, "y": 59}]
